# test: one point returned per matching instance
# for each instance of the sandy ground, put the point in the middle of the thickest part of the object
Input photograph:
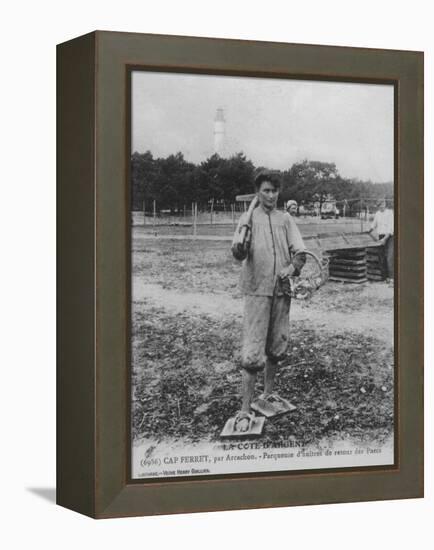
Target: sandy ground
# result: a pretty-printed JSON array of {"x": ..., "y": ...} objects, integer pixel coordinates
[
  {"x": 187, "y": 316},
  {"x": 318, "y": 314}
]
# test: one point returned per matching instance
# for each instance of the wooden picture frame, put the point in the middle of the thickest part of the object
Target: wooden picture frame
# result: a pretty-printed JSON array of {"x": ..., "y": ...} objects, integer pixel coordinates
[{"x": 93, "y": 447}]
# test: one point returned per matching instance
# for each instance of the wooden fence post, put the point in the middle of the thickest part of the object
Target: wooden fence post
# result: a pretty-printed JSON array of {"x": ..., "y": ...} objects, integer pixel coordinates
[{"x": 195, "y": 220}]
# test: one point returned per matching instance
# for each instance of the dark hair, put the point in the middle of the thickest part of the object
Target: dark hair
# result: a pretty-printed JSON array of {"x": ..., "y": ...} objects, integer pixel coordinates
[{"x": 267, "y": 175}]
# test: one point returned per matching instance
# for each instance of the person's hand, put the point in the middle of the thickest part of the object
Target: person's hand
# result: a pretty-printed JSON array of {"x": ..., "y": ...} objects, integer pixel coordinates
[
  {"x": 241, "y": 243},
  {"x": 286, "y": 272},
  {"x": 285, "y": 285},
  {"x": 240, "y": 250},
  {"x": 285, "y": 280}
]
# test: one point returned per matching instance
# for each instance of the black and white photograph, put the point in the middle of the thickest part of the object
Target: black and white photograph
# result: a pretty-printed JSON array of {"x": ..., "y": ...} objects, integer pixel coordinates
[{"x": 262, "y": 275}]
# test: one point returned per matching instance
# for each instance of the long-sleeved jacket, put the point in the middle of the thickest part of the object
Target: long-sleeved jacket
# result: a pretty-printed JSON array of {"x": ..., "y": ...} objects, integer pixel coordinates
[
  {"x": 275, "y": 239},
  {"x": 383, "y": 222}
]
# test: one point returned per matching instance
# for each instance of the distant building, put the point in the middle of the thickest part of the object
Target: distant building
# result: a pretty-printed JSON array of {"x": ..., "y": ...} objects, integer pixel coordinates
[{"x": 219, "y": 132}]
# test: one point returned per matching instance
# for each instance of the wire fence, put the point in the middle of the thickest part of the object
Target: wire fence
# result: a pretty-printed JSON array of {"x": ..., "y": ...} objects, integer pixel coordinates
[{"x": 192, "y": 220}]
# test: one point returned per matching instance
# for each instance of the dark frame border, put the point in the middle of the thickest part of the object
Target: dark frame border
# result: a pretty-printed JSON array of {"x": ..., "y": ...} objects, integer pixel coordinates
[{"x": 93, "y": 393}]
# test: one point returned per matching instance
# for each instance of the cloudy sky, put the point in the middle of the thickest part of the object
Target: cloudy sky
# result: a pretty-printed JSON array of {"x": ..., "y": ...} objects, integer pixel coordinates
[{"x": 274, "y": 122}]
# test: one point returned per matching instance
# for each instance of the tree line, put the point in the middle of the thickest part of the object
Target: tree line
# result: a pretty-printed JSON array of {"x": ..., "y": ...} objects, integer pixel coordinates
[{"x": 173, "y": 182}]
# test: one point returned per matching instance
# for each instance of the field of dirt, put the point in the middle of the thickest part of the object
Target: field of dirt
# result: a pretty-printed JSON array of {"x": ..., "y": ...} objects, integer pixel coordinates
[{"x": 186, "y": 336}]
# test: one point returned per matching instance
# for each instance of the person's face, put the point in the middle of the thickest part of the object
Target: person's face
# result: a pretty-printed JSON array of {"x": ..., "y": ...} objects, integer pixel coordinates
[
  {"x": 267, "y": 195},
  {"x": 382, "y": 206},
  {"x": 293, "y": 209}
]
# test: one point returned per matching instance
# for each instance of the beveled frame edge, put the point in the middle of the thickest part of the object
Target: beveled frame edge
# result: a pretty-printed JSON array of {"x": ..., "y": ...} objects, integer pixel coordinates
[
  {"x": 113, "y": 497},
  {"x": 75, "y": 369}
]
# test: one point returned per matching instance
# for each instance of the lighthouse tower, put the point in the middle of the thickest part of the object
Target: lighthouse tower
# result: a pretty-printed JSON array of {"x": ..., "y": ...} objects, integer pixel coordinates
[{"x": 219, "y": 132}]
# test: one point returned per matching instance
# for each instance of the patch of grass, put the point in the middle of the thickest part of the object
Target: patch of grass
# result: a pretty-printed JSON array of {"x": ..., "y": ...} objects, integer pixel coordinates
[
  {"x": 200, "y": 266},
  {"x": 186, "y": 381}
]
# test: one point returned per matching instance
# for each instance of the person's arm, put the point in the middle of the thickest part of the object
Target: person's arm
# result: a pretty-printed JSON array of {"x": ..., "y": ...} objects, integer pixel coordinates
[
  {"x": 374, "y": 224},
  {"x": 298, "y": 261},
  {"x": 243, "y": 234},
  {"x": 240, "y": 248},
  {"x": 296, "y": 248},
  {"x": 390, "y": 223}
]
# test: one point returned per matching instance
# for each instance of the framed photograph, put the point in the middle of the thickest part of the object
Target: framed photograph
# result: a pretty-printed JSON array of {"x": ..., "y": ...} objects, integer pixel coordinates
[{"x": 240, "y": 274}]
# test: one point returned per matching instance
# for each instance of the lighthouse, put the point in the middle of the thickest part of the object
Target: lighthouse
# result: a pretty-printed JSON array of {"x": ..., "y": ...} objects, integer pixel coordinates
[{"x": 219, "y": 132}]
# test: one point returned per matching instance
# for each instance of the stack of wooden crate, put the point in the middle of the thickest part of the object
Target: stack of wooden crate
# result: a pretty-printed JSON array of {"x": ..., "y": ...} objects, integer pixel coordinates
[
  {"x": 348, "y": 265},
  {"x": 375, "y": 265},
  {"x": 353, "y": 258}
]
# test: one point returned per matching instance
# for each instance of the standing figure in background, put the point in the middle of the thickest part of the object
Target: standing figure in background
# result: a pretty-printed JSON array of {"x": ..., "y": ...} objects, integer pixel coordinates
[
  {"x": 292, "y": 207},
  {"x": 383, "y": 228}
]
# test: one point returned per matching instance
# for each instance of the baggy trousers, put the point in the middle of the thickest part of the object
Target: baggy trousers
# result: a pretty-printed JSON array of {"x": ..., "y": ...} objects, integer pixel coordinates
[
  {"x": 389, "y": 256},
  {"x": 265, "y": 330}
]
